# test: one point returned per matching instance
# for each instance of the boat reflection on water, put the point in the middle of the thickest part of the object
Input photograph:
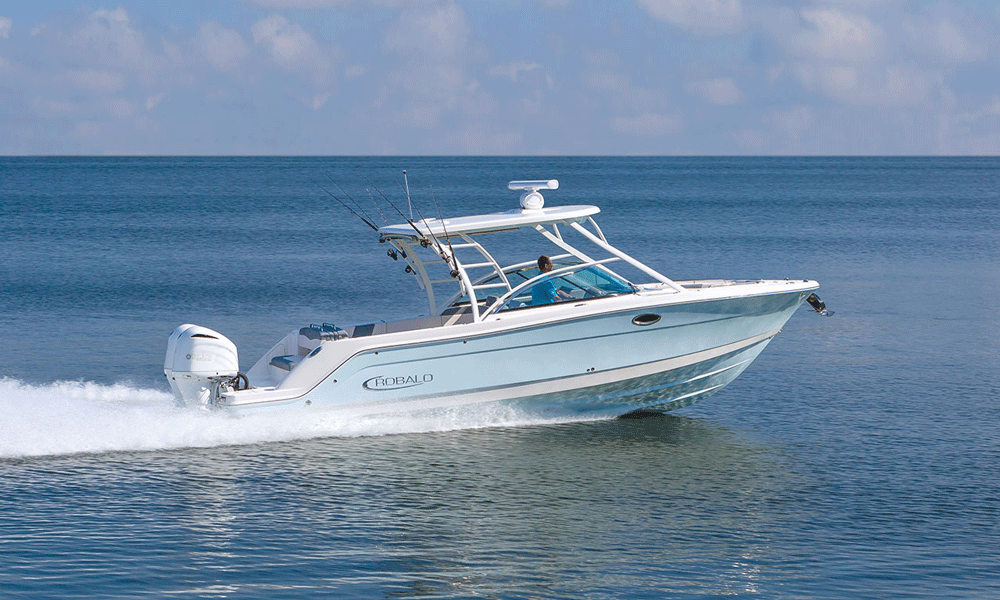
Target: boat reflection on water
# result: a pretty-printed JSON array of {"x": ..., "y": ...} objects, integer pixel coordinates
[{"x": 547, "y": 510}]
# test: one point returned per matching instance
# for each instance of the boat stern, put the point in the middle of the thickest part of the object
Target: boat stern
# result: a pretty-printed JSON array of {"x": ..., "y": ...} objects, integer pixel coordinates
[{"x": 198, "y": 363}]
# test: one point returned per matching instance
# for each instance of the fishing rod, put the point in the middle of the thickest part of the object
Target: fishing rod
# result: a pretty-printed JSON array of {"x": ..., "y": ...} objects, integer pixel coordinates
[
  {"x": 454, "y": 272},
  {"x": 452, "y": 260},
  {"x": 390, "y": 252},
  {"x": 346, "y": 193},
  {"x": 406, "y": 190},
  {"x": 423, "y": 238},
  {"x": 408, "y": 203},
  {"x": 376, "y": 206},
  {"x": 344, "y": 204}
]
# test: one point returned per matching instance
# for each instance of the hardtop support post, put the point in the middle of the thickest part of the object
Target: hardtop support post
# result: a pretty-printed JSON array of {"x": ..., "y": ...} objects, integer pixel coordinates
[{"x": 638, "y": 265}]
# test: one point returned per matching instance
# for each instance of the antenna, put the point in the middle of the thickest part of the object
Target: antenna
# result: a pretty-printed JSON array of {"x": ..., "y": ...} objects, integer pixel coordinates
[
  {"x": 531, "y": 199},
  {"x": 408, "y": 203}
]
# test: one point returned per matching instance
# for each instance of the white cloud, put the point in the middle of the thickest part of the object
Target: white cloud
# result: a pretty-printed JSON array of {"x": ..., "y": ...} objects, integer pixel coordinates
[
  {"x": 607, "y": 80},
  {"x": 512, "y": 70},
  {"x": 112, "y": 39},
  {"x": 312, "y": 3},
  {"x": 701, "y": 16},
  {"x": 287, "y": 42},
  {"x": 870, "y": 84},
  {"x": 954, "y": 44},
  {"x": 481, "y": 139},
  {"x": 152, "y": 101},
  {"x": 121, "y": 108},
  {"x": 223, "y": 48},
  {"x": 432, "y": 42},
  {"x": 750, "y": 140},
  {"x": 835, "y": 35},
  {"x": 101, "y": 81},
  {"x": 847, "y": 57},
  {"x": 294, "y": 49},
  {"x": 318, "y": 100},
  {"x": 942, "y": 40},
  {"x": 610, "y": 83},
  {"x": 993, "y": 108},
  {"x": 794, "y": 121},
  {"x": 441, "y": 32},
  {"x": 49, "y": 107},
  {"x": 90, "y": 130},
  {"x": 721, "y": 91},
  {"x": 990, "y": 110},
  {"x": 792, "y": 76},
  {"x": 647, "y": 124},
  {"x": 782, "y": 132}
]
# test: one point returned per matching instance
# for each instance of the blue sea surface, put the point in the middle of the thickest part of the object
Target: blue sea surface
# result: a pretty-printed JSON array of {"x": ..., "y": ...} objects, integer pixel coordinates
[{"x": 858, "y": 457}]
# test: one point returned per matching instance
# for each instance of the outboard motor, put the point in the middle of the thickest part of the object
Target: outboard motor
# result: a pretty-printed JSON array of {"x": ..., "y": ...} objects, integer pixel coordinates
[{"x": 199, "y": 361}]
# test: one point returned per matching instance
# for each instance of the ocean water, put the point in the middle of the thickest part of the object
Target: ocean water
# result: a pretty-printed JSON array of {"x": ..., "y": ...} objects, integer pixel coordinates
[{"x": 858, "y": 457}]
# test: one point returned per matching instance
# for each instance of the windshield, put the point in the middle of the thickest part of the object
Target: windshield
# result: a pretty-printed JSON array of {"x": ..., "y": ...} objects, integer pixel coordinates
[
  {"x": 583, "y": 284},
  {"x": 516, "y": 278}
]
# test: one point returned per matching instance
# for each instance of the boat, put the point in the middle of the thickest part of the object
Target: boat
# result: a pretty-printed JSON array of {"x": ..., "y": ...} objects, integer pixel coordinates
[{"x": 567, "y": 333}]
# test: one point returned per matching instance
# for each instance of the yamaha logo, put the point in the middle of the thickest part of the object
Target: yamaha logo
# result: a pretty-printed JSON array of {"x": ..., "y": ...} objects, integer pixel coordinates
[{"x": 382, "y": 383}]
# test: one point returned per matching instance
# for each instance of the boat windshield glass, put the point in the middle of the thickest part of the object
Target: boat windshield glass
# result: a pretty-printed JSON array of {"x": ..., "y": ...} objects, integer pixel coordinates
[
  {"x": 515, "y": 277},
  {"x": 582, "y": 284}
]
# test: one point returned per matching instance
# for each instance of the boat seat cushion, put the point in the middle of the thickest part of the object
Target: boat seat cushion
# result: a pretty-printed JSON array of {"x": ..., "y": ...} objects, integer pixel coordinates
[
  {"x": 285, "y": 362},
  {"x": 322, "y": 334}
]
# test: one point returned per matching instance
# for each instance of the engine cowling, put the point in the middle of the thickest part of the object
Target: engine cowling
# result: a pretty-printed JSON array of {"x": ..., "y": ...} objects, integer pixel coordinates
[{"x": 198, "y": 361}]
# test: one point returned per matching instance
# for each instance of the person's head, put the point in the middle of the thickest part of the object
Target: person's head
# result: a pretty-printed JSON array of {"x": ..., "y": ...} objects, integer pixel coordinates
[{"x": 544, "y": 264}]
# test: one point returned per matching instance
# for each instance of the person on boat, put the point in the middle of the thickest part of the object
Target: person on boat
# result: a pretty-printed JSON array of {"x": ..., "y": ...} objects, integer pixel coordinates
[{"x": 545, "y": 292}]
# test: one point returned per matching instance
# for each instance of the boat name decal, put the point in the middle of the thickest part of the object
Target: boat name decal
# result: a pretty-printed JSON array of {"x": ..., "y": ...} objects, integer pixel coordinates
[{"x": 381, "y": 383}]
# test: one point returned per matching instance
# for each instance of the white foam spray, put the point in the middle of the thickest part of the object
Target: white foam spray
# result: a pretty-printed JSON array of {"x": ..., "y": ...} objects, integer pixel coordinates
[{"x": 82, "y": 417}]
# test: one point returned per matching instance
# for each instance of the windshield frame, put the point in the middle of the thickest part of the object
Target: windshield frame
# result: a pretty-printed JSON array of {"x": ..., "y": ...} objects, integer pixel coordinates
[{"x": 558, "y": 275}]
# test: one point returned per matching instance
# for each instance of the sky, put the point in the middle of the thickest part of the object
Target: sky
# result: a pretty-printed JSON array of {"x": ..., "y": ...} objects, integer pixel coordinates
[{"x": 520, "y": 77}]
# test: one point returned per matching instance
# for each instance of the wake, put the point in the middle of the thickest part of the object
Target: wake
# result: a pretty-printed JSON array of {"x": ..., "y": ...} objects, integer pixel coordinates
[{"x": 82, "y": 417}]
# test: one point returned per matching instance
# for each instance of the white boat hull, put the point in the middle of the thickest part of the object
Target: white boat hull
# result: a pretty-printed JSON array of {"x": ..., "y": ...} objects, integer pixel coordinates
[{"x": 598, "y": 363}]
